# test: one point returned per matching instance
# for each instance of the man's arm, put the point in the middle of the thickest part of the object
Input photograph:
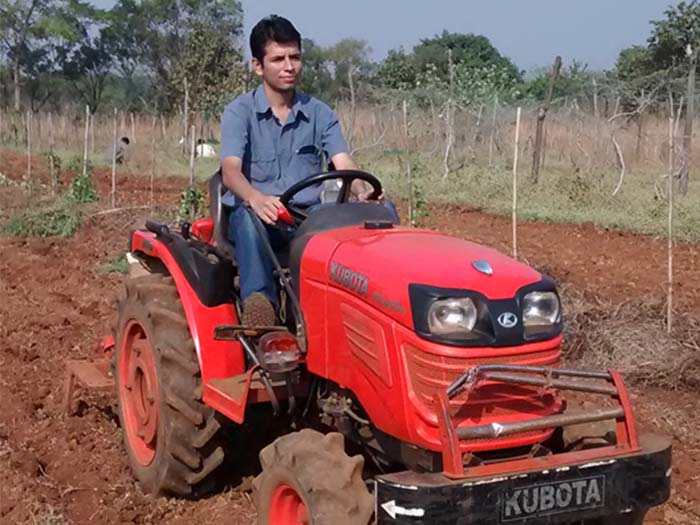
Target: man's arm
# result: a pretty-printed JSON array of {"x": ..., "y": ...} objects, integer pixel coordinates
[
  {"x": 336, "y": 147},
  {"x": 360, "y": 189},
  {"x": 234, "y": 139},
  {"x": 265, "y": 206}
]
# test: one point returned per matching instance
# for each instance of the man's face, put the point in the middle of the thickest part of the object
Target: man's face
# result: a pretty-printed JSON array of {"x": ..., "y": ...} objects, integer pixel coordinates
[{"x": 281, "y": 66}]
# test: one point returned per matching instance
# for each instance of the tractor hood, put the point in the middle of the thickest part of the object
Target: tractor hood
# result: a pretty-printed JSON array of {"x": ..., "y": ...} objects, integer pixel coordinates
[{"x": 389, "y": 268}]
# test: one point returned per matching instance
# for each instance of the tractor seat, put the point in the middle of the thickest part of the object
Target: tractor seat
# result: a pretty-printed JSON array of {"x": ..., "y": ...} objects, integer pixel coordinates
[{"x": 220, "y": 212}]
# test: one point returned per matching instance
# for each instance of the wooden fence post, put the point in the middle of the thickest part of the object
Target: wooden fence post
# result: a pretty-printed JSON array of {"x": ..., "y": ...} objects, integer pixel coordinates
[
  {"x": 85, "y": 142},
  {"x": 114, "y": 160},
  {"x": 541, "y": 115},
  {"x": 669, "y": 300},
  {"x": 515, "y": 183},
  {"x": 28, "y": 128},
  {"x": 192, "y": 131}
]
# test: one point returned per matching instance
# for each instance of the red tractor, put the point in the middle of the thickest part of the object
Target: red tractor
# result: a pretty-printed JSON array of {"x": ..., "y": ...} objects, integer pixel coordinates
[{"x": 416, "y": 373}]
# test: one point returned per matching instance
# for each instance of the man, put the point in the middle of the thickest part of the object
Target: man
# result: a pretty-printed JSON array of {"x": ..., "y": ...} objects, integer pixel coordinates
[
  {"x": 272, "y": 138},
  {"x": 120, "y": 153}
]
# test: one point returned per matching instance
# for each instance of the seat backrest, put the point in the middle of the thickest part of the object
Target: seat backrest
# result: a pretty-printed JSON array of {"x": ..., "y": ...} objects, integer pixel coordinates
[{"x": 219, "y": 214}]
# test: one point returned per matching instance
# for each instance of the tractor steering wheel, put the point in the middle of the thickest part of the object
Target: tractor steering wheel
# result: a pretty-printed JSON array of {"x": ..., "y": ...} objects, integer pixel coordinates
[{"x": 346, "y": 176}]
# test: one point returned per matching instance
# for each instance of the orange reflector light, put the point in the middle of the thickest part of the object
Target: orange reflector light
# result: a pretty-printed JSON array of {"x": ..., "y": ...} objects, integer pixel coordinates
[
  {"x": 203, "y": 229},
  {"x": 279, "y": 352}
]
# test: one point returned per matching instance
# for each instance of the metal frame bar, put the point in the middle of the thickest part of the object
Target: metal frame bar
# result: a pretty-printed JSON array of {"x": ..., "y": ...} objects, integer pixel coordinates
[
  {"x": 471, "y": 379},
  {"x": 284, "y": 281}
]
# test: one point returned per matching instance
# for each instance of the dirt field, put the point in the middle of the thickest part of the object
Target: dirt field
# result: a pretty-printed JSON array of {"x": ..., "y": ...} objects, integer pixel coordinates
[{"x": 55, "y": 304}]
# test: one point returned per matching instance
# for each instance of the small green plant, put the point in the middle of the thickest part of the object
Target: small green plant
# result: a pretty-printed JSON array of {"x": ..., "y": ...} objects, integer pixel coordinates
[
  {"x": 51, "y": 517},
  {"x": 191, "y": 203},
  {"x": 81, "y": 189},
  {"x": 420, "y": 206},
  {"x": 54, "y": 162},
  {"x": 76, "y": 164},
  {"x": 115, "y": 264},
  {"x": 62, "y": 220},
  {"x": 7, "y": 181}
]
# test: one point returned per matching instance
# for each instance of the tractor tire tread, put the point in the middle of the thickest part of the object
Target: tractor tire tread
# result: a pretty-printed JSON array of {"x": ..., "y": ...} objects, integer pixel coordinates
[
  {"x": 190, "y": 458},
  {"x": 180, "y": 405},
  {"x": 195, "y": 443},
  {"x": 331, "y": 480},
  {"x": 210, "y": 463},
  {"x": 188, "y": 365},
  {"x": 206, "y": 434},
  {"x": 167, "y": 316}
]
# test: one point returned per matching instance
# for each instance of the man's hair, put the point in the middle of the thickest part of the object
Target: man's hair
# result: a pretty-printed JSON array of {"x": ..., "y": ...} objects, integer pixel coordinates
[{"x": 272, "y": 28}]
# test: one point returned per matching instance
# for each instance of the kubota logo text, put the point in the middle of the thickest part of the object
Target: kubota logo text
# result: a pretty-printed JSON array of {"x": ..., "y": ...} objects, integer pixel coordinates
[
  {"x": 348, "y": 278},
  {"x": 553, "y": 498}
]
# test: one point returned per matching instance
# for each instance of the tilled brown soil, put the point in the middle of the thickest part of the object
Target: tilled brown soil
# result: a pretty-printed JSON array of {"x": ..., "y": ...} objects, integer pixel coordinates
[{"x": 55, "y": 305}]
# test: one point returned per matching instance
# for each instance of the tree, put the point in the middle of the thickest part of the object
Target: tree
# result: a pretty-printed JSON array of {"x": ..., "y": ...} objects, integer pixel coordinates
[
  {"x": 468, "y": 50},
  {"x": 573, "y": 81},
  {"x": 87, "y": 69},
  {"x": 20, "y": 22},
  {"x": 164, "y": 31},
  {"x": 316, "y": 77},
  {"x": 349, "y": 61},
  {"x": 398, "y": 70},
  {"x": 38, "y": 37},
  {"x": 672, "y": 37},
  {"x": 122, "y": 40},
  {"x": 213, "y": 67}
]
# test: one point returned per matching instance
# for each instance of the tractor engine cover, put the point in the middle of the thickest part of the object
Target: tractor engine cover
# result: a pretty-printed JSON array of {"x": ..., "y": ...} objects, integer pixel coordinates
[{"x": 365, "y": 294}]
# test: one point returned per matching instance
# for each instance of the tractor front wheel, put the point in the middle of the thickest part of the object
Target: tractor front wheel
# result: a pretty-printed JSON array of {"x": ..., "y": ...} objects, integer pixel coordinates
[
  {"x": 173, "y": 440},
  {"x": 308, "y": 478}
]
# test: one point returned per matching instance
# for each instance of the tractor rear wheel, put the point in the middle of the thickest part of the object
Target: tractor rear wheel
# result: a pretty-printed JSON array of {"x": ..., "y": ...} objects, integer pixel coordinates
[
  {"x": 174, "y": 442},
  {"x": 308, "y": 478}
]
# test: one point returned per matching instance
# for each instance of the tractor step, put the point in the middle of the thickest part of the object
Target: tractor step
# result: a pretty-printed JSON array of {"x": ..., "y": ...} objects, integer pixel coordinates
[
  {"x": 233, "y": 331},
  {"x": 94, "y": 375},
  {"x": 235, "y": 386}
]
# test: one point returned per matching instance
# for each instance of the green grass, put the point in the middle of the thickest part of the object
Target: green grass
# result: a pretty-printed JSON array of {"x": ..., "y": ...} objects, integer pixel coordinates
[
  {"x": 560, "y": 196},
  {"x": 115, "y": 264},
  {"x": 59, "y": 220}
]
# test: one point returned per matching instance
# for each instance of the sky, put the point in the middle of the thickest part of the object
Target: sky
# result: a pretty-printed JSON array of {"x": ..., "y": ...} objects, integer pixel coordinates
[{"x": 529, "y": 32}]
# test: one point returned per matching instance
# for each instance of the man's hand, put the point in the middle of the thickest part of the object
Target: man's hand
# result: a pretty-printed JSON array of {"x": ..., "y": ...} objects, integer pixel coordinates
[
  {"x": 363, "y": 191},
  {"x": 265, "y": 206}
]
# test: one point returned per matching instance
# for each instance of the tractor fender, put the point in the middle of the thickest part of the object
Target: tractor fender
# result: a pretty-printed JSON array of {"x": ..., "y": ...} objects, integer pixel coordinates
[{"x": 205, "y": 306}]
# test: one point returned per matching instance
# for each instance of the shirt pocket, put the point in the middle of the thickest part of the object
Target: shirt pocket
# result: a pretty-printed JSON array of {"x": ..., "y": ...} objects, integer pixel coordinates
[
  {"x": 310, "y": 158},
  {"x": 263, "y": 165}
]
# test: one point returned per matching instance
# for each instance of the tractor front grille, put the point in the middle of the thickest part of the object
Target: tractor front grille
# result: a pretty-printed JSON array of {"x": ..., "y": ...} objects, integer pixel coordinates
[{"x": 429, "y": 373}]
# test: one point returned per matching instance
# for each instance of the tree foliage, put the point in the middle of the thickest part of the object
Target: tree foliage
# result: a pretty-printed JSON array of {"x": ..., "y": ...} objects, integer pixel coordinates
[
  {"x": 212, "y": 67},
  {"x": 677, "y": 37},
  {"x": 468, "y": 51},
  {"x": 316, "y": 76}
]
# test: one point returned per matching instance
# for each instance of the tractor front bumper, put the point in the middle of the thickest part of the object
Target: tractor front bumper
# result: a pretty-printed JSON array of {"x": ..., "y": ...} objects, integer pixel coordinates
[{"x": 614, "y": 486}]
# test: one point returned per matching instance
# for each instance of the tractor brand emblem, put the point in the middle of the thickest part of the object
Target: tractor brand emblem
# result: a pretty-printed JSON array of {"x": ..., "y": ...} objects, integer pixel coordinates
[
  {"x": 507, "y": 319},
  {"x": 350, "y": 279},
  {"x": 553, "y": 498},
  {"x": 483, "y": 266}
]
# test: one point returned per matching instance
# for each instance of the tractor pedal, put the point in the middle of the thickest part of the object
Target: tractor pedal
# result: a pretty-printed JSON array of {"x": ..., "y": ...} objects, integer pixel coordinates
[
  {"x": 232, "y": 332},
  {"x": 94, "y": 375}
]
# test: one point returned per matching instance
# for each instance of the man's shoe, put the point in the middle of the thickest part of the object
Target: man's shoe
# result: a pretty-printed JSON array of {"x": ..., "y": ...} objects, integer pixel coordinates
[{"x": 258, "y": 311}]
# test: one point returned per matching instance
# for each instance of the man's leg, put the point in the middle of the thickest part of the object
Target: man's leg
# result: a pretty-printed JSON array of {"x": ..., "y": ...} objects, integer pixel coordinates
[
  {"x": 255, "y": 270},
  {"x": 392, "y": 207}
]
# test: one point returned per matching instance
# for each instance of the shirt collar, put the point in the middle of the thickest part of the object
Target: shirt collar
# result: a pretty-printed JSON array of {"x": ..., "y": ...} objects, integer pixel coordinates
[{"x": 262, "y": 104}]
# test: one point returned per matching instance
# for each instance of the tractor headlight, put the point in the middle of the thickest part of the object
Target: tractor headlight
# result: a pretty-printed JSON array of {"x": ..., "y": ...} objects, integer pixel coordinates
[
  {"x": 452, "y": 317},
  {"x": 541, "y": 311}
]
